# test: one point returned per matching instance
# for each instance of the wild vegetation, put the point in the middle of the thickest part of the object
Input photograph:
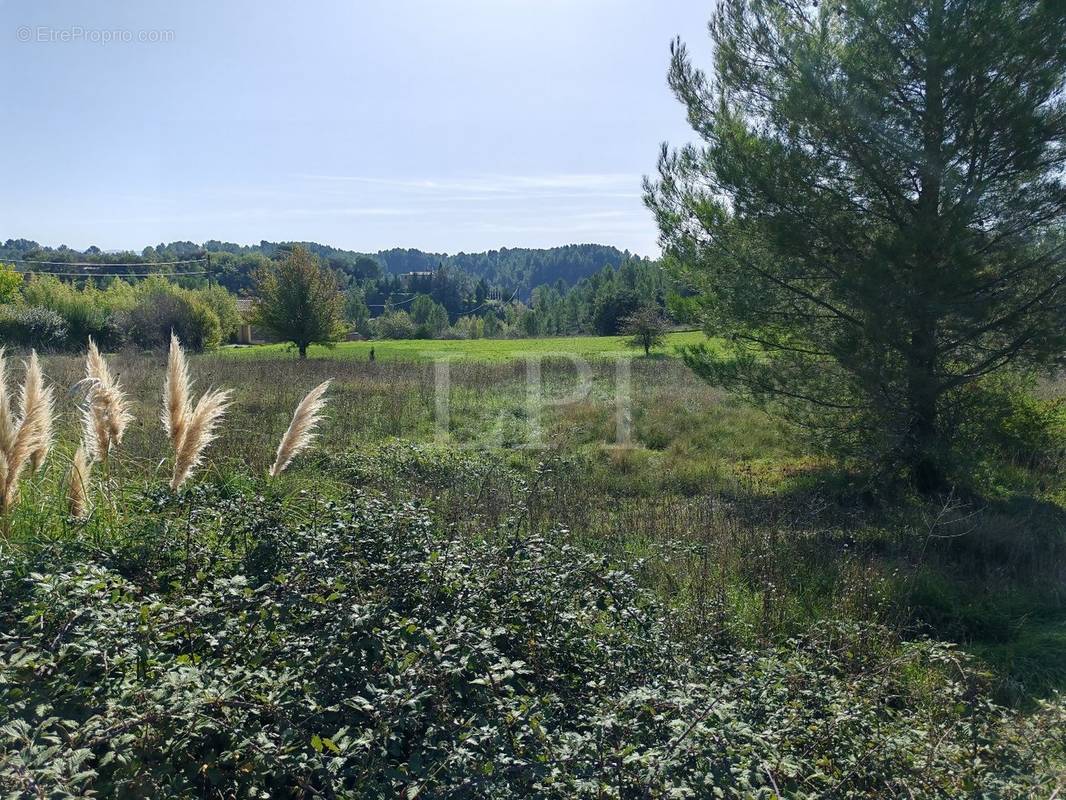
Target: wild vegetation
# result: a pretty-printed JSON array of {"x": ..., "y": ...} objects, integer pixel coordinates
[
  {"x": 47, "y": 313},
  {"x": 507, "y": 269},
  {"x": 527, "y": 606},
  {"x": 443, "y": 301},
  {"x": 503, "y": 567}
]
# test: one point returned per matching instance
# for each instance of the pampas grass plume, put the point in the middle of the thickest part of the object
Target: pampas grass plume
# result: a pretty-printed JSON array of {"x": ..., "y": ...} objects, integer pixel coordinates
[
  {"x": 199, "y": 431},
  {"x": 176, "y": 406},
  {"x": 302, "y": 428},
  {"x": 21, "y": 440},
  {"x": 107, "y": 411}
]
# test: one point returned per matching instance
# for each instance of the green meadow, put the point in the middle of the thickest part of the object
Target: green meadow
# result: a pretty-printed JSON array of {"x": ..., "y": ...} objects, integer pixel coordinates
[{"x": 474, "y": 349}]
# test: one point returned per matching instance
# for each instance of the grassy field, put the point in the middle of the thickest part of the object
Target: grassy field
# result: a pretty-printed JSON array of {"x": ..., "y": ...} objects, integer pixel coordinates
[
  {"x": 473, "y": 349},
  {"x": 696, "y": 467},
  {"x": 752, "y": 550}
]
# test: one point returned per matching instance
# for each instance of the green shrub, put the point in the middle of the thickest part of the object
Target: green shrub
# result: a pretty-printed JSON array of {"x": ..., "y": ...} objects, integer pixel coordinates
[
  {"x": 394, "y": 325},
  {"x": 32, "y": 326},
  {"x": 366, "y": 652},
  {"x": 224, "y": 305},
  {"x": 87, "y": 311},
  {"x": 143, "y": 313},
  {"x": 1000, "y": 423},
  {"x": 162, "y": 307},
  {"x": 10, "y": 282}
]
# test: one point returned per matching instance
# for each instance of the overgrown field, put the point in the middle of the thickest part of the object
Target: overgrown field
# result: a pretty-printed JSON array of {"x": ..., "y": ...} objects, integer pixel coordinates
[{"x": 553, "y": 595}]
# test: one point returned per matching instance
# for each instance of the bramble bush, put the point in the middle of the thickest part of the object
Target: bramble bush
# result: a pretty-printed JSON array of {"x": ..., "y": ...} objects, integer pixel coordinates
[{"x": 232, "y": 645}]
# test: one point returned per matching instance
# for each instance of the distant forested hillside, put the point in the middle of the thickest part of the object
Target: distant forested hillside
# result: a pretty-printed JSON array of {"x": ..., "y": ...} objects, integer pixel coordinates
[
  {"x": 407, "y": 293},
  {"x": 517, "y": 268},
  {"x": 508, "y": 269}
]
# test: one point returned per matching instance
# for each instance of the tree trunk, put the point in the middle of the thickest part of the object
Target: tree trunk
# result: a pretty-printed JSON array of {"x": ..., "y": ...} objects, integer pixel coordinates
[
  {"x": 647, "y": 347},
  {"x": 923, "y": 434},
  {"x": 922, "y": 441},
  {"x": 303, "y": 350}
]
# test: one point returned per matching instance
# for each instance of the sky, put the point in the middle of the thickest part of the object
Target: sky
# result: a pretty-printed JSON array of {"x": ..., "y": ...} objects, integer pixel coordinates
[{"x": 444, "y": 125}]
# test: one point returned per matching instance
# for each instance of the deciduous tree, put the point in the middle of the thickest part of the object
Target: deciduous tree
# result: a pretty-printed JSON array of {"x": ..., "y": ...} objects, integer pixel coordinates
[
  {"x": 10, "y": 283},
  {"x": 646, "y": 328},
  {"x": 297, "y": 300}
]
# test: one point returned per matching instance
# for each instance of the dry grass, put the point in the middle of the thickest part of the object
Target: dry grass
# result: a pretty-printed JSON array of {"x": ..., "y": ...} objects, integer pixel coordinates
[
  {"x": 301, "y": 430},
  {"x": 107, "y": 409},
  {"x": 369, "y": 402},
  {"x": 27, "y": 436},
  {"x": 190, "y": 428}
]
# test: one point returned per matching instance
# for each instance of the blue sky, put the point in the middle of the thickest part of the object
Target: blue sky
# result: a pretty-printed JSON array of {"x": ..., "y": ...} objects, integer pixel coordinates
[{"x": 445, "y": 125}]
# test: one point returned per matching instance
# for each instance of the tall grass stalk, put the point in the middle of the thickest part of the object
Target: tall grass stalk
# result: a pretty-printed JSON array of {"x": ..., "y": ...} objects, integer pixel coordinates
[
  {"x": 78, "y": 484},
  {"x": 191, "y": 429},
  {"x": 21, "y": 438},
  {"x": 301, "y": 431}
]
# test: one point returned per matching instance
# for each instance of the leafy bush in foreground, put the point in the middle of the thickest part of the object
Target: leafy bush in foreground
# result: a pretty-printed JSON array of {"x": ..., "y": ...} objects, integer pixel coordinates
[{"x": 225, "y": 650}]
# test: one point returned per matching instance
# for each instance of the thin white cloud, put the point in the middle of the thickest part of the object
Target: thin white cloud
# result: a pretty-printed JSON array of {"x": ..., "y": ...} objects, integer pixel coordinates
[
  {"x": 257, "y": 213},
  {"x": 499, "y": 184}
]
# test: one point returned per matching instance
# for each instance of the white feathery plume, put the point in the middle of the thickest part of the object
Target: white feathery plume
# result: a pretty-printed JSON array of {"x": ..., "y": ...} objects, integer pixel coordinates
[
  {"x": 20, "y": 440},
  {"x": 301, "y": 430},
  {"x": 107, "y": 410},
  {"x": 199, "y": 432},
  {"x": 176, "y": 406}
]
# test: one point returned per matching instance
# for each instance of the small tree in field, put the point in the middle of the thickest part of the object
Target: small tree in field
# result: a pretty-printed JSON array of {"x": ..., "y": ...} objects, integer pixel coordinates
[
  {"x": 645, "y": 327},
  {"x": 871, "y": 218},
  {"x": 297, "y": 300}
]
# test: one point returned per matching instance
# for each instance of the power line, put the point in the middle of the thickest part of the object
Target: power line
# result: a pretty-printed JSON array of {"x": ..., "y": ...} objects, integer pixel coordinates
[
  {"x": 410, "y": 299},
  {"x": 505, "y": 302},
  {"x": 101, "y": 264},
  {"x": 387, "y": 305},
  {"x": 110, "y": 274}
]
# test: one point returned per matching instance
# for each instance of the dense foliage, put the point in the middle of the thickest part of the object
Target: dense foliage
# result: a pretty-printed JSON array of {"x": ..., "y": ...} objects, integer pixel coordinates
[
  {"x": 226, "y": 645},
  {"x": 509, "y": 269},
  {"x": 50, "y": 314},
  {"x": 296, "y": 299},
  {"x": 506, "y": 293},
  {"x": 877, "y": 204}
]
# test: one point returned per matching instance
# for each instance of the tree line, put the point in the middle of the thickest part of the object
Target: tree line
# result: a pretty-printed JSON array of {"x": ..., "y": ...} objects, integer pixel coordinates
[
  {"x": 445, "y": 301},
  {"x": 507, "y": 270}
]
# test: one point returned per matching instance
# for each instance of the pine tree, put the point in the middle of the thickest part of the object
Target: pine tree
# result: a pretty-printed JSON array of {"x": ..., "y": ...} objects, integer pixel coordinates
[{"x": 871, "y": 215}]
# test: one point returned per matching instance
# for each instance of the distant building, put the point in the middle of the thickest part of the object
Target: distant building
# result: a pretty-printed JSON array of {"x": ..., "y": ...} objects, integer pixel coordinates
[{"x": 248, "y": 333}]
